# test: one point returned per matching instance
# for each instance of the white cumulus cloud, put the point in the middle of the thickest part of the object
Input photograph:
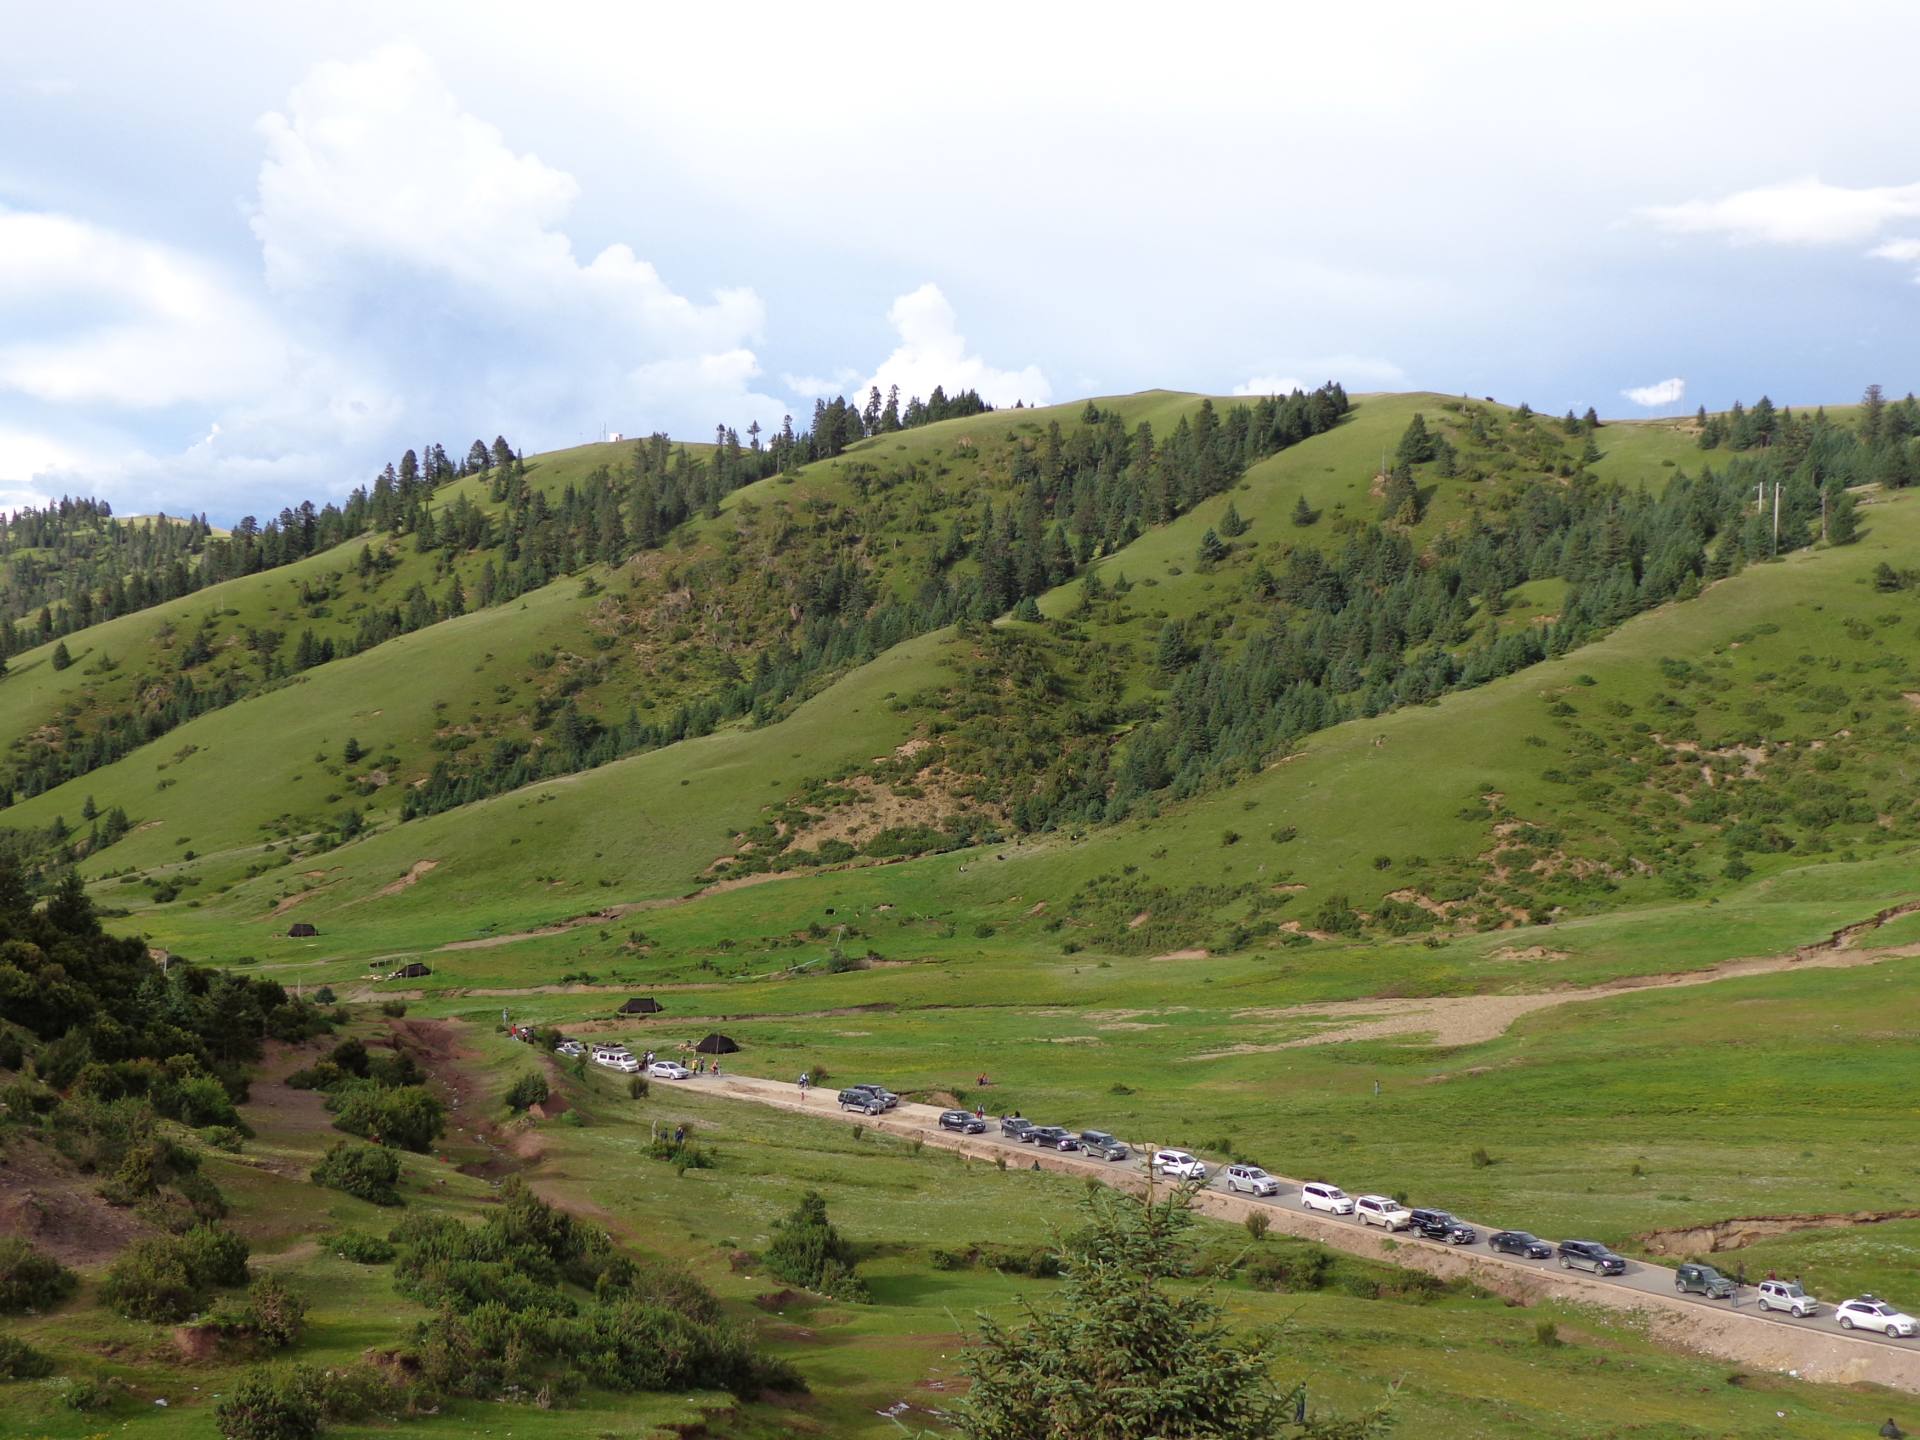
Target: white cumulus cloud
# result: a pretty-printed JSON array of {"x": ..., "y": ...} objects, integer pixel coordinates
[
  {"x": 374, "y": 172},
  {"x": 932, "y": 351},
  {"x": 1797, "y": 212},
  {"x": 1661, "y": 392},
  {"x": 92, "y": 316},
  {"x": 1355, "y": 372}
]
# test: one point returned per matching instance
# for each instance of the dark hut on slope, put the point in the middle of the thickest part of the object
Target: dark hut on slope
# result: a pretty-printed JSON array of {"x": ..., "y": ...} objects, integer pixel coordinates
[
  {"x": 642, "y": 1005},
  {"x": 411, "y": 971},
  {"x": 716, "y": 1044},
  {"x": 303, "y": 931}
]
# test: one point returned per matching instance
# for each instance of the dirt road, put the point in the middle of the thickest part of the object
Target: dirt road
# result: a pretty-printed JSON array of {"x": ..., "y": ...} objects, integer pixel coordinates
[{"x": 1813, "y": 1348}]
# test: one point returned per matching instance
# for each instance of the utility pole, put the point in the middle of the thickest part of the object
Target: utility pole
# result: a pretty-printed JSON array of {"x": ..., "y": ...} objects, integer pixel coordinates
[{"x": 1776, "y": 518}]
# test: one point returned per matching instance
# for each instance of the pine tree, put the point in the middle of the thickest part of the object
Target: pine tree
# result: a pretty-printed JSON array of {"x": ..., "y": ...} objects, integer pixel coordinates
[
  {"x": 1303, "y": 513},
  {"x": 1211, "y": 552},
  {"x": 1231, "y": 525},
  {"x": 61, "y": 658},
  {"x": 1124, "y": 1356}
]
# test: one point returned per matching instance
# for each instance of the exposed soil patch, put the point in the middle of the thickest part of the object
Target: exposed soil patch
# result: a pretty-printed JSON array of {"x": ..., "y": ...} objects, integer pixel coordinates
[
  {"x": 45, "y": 1200},
  {"x": 294, "y": 899},
  {"x": 1745, "y": 1230},
  {"x": 1472, "y": 1019},
  {"x": 408, "y": 880},
  {"x": 1194, "y": 954}
]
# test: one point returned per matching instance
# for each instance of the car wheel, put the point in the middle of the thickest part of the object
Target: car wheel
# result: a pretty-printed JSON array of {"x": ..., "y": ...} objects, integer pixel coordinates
[
  {"x": 1565, "y": 1264},
  {"x": 1678, "y": 1288},
  {"x": 1846, "y": 1322}
]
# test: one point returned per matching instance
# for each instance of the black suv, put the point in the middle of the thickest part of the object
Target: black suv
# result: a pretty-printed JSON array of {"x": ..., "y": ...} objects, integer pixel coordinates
[
  {"x": 965, "y": 1121},
  {"x": 1101, "y": 1145},
  {"x": 1439, "y": 1225},
  {"x": 862, "y": 1099},
  {"x": 1519, "y": 1242},
  {"x": 1703, "y": 1280},
  {"x": 1015, "y": 1128},
  {"x": 1590, "y": 1255},
  {"x": 1051, "y": 1137},
  {"x": 885, "y": 1096}
]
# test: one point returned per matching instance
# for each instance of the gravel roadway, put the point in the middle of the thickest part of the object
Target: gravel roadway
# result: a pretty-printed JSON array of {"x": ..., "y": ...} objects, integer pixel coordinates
[{"x": 1814, "y": 1348}]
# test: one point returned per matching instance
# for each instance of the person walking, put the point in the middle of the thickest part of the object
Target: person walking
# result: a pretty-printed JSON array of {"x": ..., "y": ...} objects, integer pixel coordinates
[{"x": 803, "y": 1085}]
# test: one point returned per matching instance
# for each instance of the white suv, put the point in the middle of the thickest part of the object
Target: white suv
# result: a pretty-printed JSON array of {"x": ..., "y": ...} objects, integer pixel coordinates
[
  {"x": 1382, "y": 1210},
  {"x": 1179, "y": 1164},
  {"x": 1318, "y": 1195},
  {"x": 616, "y": 1057},
  {"x": 1867, "y": 1313},
  {"x": 1252, "y": 1179},
  {"x": 1787, "y": 1296}
]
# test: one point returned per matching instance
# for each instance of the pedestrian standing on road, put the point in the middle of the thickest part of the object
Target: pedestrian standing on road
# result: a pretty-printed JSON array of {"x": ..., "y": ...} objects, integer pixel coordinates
[
  {"x": 1376, "y": 1087},
  {"x": 716, "y": 1067}
]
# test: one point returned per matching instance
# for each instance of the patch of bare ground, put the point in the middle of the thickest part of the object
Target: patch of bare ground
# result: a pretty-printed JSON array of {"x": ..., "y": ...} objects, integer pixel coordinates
[
  {"x": 408, "y": 880},
  {"x": 1746, "y": 1229},
  {"x": 1471, "y": 1019},
  {"x": 294, "y": 899},
  {"x": 1526, "y": 952},
  {"x": 1189, "y": 954},
  {"x": 45, "y": 1200}
]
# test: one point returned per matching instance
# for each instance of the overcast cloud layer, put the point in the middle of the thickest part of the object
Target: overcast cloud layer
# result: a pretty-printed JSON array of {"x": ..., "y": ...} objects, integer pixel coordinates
[{"x": 248, "y": 253}]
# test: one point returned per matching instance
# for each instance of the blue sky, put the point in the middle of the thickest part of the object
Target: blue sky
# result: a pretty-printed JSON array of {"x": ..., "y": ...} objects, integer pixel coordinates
[{"x": 249, "y": 253}]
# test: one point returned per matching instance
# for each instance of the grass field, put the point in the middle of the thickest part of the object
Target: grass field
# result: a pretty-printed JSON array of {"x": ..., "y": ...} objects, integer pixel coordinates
[{"x": 1155, "y": 977}]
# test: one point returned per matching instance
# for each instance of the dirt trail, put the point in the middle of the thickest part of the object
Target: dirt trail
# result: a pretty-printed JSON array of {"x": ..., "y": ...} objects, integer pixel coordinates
[
  {"x": 1743, "y": 1336},
  {"x": 1471, "y": 1019}
]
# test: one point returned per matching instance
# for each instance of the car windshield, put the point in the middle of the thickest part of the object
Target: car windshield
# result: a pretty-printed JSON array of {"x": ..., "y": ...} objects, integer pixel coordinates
[
  {"x": 1521, "y": 1237},
  {"x": 1254, "y": 1172}
]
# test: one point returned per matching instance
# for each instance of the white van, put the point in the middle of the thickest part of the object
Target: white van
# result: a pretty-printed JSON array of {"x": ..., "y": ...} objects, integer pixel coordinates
[
  {"x": 615, "y": 1057},
  {"x": 1318, "y": 1195}
]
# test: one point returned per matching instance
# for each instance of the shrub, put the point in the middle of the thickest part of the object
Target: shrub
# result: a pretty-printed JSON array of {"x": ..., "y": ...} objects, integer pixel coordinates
[
  {"x": 1547, "y": 1334},
  {"x": 215, "y": 1256},
  {"x": 271, "y": 1315},
  {"x": 324, "y": 995},
  {"x": 265, "y": 1406},
  {"x": 20, "y": 1361},
  {"x": 367, "y": 1172},
  {"x": 809, "y": 1252},
  {"x": 529, "y": 1089},
  {"x": 30, "y": 1280},
  {"x": 1480, "y": 1158},
  {"x": 362, "y": 1249},
  {"x": 407, "y": 1117},
  {"x": 224, "y": 1137},
  {"x": 637, "y": 1087},
  {"x": 393, "y": 1008},
  {"x": 1258, "y": 1222},
  {"x": 165, "y": 1279}
]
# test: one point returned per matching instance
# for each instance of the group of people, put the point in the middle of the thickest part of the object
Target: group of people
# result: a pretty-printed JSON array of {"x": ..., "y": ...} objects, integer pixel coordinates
[{"x": 699, "y": 1063}]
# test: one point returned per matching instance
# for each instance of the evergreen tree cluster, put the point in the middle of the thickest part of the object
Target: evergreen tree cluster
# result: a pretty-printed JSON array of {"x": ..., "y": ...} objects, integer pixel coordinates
[{"x": 73, "y": 564}]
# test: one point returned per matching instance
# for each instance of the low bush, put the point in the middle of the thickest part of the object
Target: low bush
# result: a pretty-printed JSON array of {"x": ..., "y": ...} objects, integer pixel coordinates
[
  {"x": 393, "y": 1009},
  {"x": 20, "y": 1361},
  {"x": 366, "y": 1172},
  {"x": 1258, "y": 1222},
  {"x": 30, "y": 1280},
  {"x": 408, "y": 1116},
  {"x": 166, "y": 1278},
  {"x": 362, "y": 1249},
  {"x": 271, "y": 1316},
  {"x": 637, "y": 1087},
  {"x": 529, "y": 1089},
  {"x": 807, "y": 1251}
]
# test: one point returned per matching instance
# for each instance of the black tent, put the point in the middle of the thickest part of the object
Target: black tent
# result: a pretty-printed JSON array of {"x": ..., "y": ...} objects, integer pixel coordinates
[
  {"x": 643, "y": 1005},
  {"x": 412, "y": 971},
  {"x": 303, "y": 931},
  {"x": 716, "y": 1044}
]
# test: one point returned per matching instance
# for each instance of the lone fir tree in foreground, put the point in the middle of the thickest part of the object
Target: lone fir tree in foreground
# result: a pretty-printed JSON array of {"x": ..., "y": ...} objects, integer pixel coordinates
[{"x": 1129, "y": 1354}]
